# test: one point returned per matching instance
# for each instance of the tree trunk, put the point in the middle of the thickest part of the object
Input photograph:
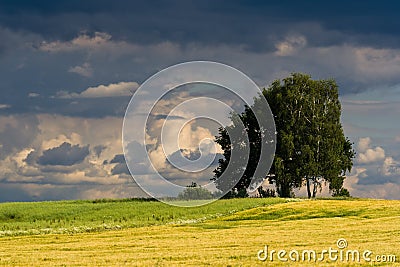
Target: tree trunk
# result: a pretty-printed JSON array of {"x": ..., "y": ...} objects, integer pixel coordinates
[
  {"x": 314, "y": 190},
  {"x": 308, "y": 187},
  {"x": 284, "y": 190}
]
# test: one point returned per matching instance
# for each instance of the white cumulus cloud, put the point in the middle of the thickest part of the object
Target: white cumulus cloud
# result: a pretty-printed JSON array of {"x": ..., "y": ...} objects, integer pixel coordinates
[
  {"x": 390, "y": 167},
  {"x": 110, "y": 90},
  {"x": 367, "y": 154},
  {"x": 85, "y": 70},
  {"x": 32, "y": 95},
  {"x": 291, "y": 45},
  {"x": 83, "y": 41},
  {"x": 363, "y": 144},
  {"x": 4, "y": 106}
]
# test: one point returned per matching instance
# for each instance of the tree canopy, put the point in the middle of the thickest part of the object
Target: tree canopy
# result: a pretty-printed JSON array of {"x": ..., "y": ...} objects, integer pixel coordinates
[
  {"x": 311, "y": 148},
  {"x": 195, "y": 192}
]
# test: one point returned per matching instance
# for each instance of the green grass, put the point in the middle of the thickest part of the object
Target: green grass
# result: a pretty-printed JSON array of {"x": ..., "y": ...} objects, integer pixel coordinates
[
  {"x": 224, "y": 233},
  {"x": 92, "y": 216}
]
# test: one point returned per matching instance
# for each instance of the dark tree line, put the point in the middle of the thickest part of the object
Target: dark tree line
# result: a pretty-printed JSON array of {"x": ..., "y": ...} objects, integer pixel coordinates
[{"x": 311, "y": 149}]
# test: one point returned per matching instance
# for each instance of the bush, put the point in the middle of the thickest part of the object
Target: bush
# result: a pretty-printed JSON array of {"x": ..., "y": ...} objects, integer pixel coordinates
[
  {"x": 195, "y": 192},
  {"x": 343, "y": 192},
  {"x": 265, "y": 193},
  {"x": 234, "y": 193}
]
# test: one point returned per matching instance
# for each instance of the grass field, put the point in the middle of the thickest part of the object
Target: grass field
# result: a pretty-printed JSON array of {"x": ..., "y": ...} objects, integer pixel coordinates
[{"x": 224, "y": 233}]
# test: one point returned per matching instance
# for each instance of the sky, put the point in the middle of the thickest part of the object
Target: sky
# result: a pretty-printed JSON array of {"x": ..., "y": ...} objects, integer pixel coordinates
[{"x": 69, "y": 69}]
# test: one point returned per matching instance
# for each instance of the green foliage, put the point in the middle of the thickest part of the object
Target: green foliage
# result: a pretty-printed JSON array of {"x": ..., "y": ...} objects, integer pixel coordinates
[
  {"x": 248, "y": 140},
  {"x": 241, "y": 193},
  {"x": 195, "y": 192},
  {"x": 311, "y": 148},
  {"x": 342, "y": 192},
  {"x": 265, "y": 193}
]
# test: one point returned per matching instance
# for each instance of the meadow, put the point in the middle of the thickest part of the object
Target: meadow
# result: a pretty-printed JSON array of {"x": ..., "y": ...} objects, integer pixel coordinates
[{"x": 224, "y": 233}]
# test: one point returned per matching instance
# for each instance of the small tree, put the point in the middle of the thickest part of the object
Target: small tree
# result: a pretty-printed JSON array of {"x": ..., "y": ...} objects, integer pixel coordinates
[
  {"x": 195, "y": 192},
  {"x": 265, "y": 193},
  {"x": 342, "y": 192}
]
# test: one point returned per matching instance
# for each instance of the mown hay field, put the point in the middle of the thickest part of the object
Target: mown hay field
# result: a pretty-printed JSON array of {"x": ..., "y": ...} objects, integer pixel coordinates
[{"x": 224, "y": 233}]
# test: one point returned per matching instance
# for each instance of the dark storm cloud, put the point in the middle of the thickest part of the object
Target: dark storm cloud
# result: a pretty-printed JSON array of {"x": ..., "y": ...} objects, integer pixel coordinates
[
  {"x": 98, "y": 149},
  {"x": 120, "y": 168},
  {"x": 119, "y": 158},
  {"x": 132, "y": 152},
  {"x": 185, "y": 153},
  {"x": 243, "y": 26},
  {"x": 374, "y": 177},
  {"x": 64, "y": 155},
  {"x": 378, "y": 180},
  {"x": 177, "y": 157},
  {"x": 136, "y": 161},
  {"x": 96, "y": 108},
  {"x": 12, "y": 192},
  {"x": 253, "y": 24},
  {"x": 17, "y": 133}
]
